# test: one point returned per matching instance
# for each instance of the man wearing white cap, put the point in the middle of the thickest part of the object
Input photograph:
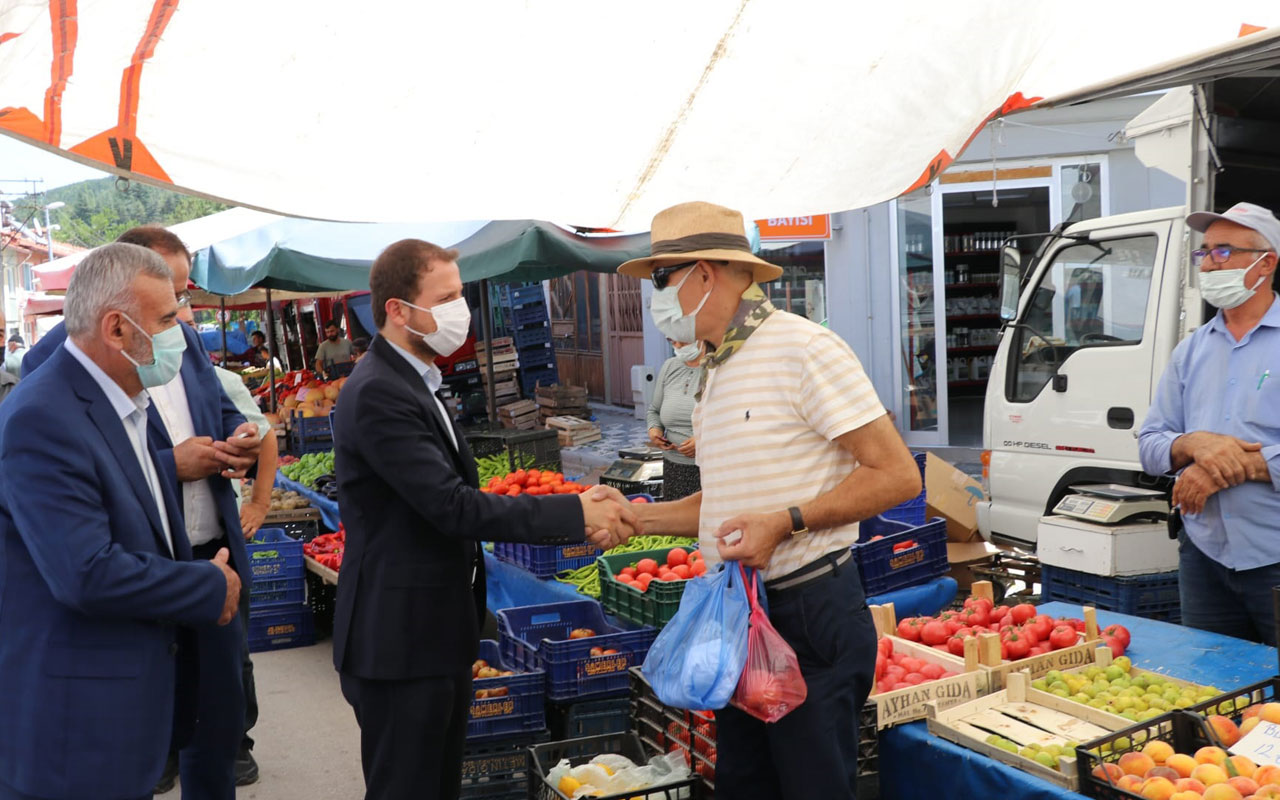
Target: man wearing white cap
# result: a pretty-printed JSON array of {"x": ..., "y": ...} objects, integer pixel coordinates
[
  {"x": 1215, "y": 421},
  {"x": 794, "y": 449}
]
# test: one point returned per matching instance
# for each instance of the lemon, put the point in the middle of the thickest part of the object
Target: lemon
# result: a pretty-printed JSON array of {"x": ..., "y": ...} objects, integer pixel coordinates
[{"x": 569, "y": 785}]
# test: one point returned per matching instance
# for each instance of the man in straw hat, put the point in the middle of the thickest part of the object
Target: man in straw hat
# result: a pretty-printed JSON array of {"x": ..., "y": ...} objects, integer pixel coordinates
[{"x": 794, "y": 449}]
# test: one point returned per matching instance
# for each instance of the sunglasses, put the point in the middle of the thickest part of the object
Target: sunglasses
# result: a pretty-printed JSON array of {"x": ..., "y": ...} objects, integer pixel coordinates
[
  {"x": 1222, "y": 253},
  {"x": 184, "y": 299},
  {"x": 662, "y": 275}
]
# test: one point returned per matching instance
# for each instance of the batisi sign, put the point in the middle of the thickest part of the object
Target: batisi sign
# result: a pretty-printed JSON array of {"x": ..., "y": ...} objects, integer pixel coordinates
[{"x": 791, "y": 228}]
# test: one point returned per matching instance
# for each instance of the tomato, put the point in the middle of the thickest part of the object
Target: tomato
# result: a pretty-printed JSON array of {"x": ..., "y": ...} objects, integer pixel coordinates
[
  {"x": 627, "y": 579},
  {"x": 932, "y": 671},
  {"x": 677, "y": 556},
  {"x": 1043, "y": 624},
  {"x": 1062, "y": 636},
  {"x": 699, "y": 568},
  {"x": 1022, "y": 612},
  {"x": 668, "y": 576},
  {"x": 1028, "y": 632},
  {"x": 1007, "y": 619},
  {"x": 913, "y": 679},
  {"x": 682, "y": 571},
  {"x": 885, "y": 646},
  {"x": 1119, "y": 632},
  {"x": 955, "y": 623},
  {"x": 955, "y": 645},
  {"x": 514, "y": 491},
  {"x": 998, "y": 612},
  {"x": 881, "y": 663},
  {"x": 977, "y": 616},
  {"x": 1038, "y": 650},
  {"x": 1017, "y": 646},
  {"x": 934, "y": 632},
  {"x": 910, "y": 664},
  {"x": 885, "y": 686},
  {"x": 629, "y": 571},
  {"x": 909, "y": 629},
  {"x": 1117, "y": 648},
  {"x": 643, "y": 580},
  {"x": 647, "y": 566}
]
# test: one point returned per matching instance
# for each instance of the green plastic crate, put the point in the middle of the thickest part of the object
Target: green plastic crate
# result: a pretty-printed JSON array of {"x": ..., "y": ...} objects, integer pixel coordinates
[{"x": 655, "y": 607}]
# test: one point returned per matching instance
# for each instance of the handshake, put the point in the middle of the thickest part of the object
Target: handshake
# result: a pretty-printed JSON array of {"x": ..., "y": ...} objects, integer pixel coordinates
[{"x": 610, "y": 519}]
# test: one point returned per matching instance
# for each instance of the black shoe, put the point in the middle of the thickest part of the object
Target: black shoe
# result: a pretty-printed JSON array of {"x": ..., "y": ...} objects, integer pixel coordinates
[
  {"x": 246, "y": 768},
  {"x": 168, "y": 778}
]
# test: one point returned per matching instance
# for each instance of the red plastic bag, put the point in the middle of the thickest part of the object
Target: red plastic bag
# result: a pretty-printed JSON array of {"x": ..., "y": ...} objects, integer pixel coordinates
[{"x": 771, "y": 685}]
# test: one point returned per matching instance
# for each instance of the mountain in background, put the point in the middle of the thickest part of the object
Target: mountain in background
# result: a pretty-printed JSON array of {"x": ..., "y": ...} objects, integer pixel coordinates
[{"x": 97, "y": 212}]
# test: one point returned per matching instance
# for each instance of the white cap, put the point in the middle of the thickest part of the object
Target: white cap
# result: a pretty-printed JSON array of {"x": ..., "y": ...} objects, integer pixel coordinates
[{"x": 1247, "y": 214}]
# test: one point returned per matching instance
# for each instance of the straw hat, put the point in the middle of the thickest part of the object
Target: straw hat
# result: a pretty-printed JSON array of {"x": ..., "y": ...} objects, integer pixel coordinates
[{"x": 699, "y": 232}]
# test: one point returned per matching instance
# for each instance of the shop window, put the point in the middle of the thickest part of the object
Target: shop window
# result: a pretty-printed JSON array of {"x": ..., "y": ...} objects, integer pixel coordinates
[
  {"x": 1081, "y": 192},
  {"x": 1094, "y": 294},
  {"x": 802, "y": 289}
]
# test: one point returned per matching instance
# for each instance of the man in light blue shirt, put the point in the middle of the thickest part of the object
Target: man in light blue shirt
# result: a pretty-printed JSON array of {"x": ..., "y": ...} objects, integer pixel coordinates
[{"x": 1215, "y": 421}]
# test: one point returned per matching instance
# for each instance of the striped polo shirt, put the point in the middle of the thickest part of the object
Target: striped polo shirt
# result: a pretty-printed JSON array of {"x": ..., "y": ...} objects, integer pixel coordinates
[{"x": 765, "y": 431}]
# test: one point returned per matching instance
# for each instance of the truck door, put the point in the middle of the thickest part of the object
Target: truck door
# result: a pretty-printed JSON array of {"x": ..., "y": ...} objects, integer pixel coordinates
[{"x": 1077, "y": 368}]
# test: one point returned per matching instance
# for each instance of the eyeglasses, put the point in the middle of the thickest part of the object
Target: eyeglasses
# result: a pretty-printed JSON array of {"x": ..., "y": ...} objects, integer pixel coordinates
[
  {"x": 662, "y": 275},
  {"x": 184, "y": 299},
  {"x": 1222, "y": 253}
]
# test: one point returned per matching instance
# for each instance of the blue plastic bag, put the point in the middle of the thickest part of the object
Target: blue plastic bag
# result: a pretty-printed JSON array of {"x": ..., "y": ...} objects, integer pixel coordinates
[{"x": 699, "y": 656}]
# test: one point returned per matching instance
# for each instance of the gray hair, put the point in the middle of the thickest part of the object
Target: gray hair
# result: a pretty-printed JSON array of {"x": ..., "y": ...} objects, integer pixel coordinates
[{"x": 103, "y": 282}]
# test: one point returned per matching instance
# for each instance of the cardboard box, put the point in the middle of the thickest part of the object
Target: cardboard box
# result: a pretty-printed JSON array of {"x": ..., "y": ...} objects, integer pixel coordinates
[
  {"x": 953, "y": 495},
  {"x": 962, "y": 555}
]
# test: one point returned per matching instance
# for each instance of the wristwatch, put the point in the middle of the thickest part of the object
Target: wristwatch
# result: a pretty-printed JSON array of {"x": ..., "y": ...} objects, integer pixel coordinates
[{"x": 797, "y": 522}]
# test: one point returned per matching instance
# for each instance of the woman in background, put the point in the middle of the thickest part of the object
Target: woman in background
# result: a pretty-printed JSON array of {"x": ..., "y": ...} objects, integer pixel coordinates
[{"x": 670, "y": 420}]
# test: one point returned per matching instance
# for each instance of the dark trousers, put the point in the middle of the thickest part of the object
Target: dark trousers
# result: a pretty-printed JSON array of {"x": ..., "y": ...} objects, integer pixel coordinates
[
  {"x": 1223, "y": 600},
  {"x": 813, "y": 751},
  {"x": 246, "y": 677},
  {"x": 412, "y": 734},
  {"x": 7, "y": 793},
  {"x": 206, "y": 766}
]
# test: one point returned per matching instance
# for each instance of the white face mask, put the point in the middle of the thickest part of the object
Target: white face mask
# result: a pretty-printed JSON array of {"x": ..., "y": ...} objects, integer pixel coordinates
[
  {"x": 1224, "y": 288},
  {"x": 670, "y": 318},
  {"x": 689, "y": 352},
  {"x": 453, "y": 324}
]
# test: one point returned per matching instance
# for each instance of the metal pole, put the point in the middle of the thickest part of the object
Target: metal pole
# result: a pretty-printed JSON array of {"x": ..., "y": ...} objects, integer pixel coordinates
[
  {"x": 48, "y": 232},
  {"x": 486, "y": 322},
  {"x": 271, "y": 351},
  {"x": 226, "y": 358}
]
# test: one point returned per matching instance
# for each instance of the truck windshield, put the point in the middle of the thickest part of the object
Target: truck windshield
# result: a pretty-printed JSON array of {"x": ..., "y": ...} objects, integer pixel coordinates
[{"x": 1093, "y": 294}]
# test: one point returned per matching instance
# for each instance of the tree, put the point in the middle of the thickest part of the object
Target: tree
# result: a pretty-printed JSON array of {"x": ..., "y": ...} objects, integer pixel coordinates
[{"x": 98, "y": 211}]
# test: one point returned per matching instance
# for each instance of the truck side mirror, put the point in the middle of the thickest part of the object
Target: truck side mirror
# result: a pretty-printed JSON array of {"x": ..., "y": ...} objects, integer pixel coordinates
[{"x": 1010, "y": 281}]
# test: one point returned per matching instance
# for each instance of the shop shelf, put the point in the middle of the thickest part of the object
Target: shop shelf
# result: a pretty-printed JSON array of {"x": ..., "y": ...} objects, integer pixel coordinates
[
  {"x": 520, "y": 711},
  {"x": 1153, "y": 596},
  {"x": 883, "y": 570},
  {"x": 543, "y": 757},
  {"x": 537, "y": 637},
  {"x": 654, "y": 607}
]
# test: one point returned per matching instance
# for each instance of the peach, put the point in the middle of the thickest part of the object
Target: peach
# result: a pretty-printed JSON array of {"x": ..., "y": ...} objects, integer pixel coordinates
[
  {"x": 1243, "y": 766},
  {"x": 1130, "y": 783},
  {"x": 1270, "y": 712},
  {"x": 1156, "y": 789},
  {"x": 1157, "y": 751},
  {"x": 1186, "y": 796},
  {"x": 1135, "y": 763},
  {"x": 1224, "y": 729},
  {"x": 1109, "y": 773},
  {"x": 1209, "y": 774},
  {"x": 1243, "y": 785},
  {"x": 1248, "y": 725},
  {"x": 1211, "y": 755},
  {"x": 1189, "y": 785},
  {"x": 1167, "y": 773},
  {"x": 1182, "y": 763},
  {"x": 1266, "y": 775},
  {"x": 1268, "y": 792},
  {"x": 1222, "y": 791}
]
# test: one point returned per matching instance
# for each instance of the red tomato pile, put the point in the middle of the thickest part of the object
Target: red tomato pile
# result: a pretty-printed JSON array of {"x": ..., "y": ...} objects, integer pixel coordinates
[
  {"x": 327, "y": 548},
  {"x": 900, "y": 546},
  {"x": 681, "y": 565},
  {"x": 900, "y": 670},
  {"x": 534, "y": 482},
  {"x": 1022, "y": 631},
  {"x": 702, "y": 741}
]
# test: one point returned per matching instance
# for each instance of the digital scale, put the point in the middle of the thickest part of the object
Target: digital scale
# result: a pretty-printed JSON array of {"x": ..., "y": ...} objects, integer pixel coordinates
[
  {"x": 636, "y": 465},
  {"x": 1112, "y": 503}
]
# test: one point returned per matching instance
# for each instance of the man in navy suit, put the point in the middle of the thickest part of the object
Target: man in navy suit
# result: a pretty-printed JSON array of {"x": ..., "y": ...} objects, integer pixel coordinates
[
  {"x": 97, "y": 579},
  {"x": 193, "y": 411}
]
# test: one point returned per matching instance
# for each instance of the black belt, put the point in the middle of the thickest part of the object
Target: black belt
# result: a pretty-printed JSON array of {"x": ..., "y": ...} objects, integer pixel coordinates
[
  {"x": 810, "y": 572},
  {"x": 208, "y": 550}
]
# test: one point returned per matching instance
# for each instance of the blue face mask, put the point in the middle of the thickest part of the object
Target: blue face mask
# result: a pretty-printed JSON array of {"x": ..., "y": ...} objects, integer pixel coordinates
[{"x": 167, "y": 348}]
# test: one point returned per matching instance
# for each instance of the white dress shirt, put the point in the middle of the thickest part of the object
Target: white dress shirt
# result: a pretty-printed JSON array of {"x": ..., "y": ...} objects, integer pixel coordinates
[
  {"x": 133, "y": 416},
  {"x": 198, "y": 506},
  {"x": 431, "y": 376},
  {"x": 244, "y": 403}
]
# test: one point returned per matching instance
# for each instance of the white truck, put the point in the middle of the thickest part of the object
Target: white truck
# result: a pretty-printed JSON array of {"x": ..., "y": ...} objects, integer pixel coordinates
[{"x": 1092, "y": 319}]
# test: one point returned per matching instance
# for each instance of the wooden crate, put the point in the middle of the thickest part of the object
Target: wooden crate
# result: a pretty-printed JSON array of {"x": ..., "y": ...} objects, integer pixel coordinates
[
  {"x": 502, "y": 362},
  {"x": 910, "y": 704},
  {"x": 501, "y": 344},
  {"x": 1011, "y": 712},
  {"x": 563, "y": 391},
  {"x": 520, "y": 408}
]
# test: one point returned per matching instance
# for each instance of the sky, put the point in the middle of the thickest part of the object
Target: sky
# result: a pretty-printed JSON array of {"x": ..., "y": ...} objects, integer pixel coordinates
[{"x": 19, "y": 160}]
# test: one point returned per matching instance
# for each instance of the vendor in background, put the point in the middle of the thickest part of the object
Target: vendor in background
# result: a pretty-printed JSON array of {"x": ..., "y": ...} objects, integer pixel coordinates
[
  {"x": 670, "y": 419},
  {"x": 251, "y": 355},
  {"x": 335, "y": 349},
  {"x": 265, "y": 359}
]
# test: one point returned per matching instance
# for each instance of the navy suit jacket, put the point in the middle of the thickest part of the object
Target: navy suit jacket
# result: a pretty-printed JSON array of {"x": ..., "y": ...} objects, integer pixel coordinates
[
  {"x": 90, "y": 598},
  {"x": 212, "y": 414}
]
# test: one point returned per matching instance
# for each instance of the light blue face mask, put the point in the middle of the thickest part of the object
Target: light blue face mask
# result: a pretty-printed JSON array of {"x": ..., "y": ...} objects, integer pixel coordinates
[
  {"x": 167, "y": 348},
  {"x": 689, "y": 352},
  {"x": 670, "y": 318}
]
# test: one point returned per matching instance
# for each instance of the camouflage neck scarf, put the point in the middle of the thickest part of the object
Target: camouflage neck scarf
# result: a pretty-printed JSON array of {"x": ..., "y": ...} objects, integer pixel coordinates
[{"x": 754, "y": 309}]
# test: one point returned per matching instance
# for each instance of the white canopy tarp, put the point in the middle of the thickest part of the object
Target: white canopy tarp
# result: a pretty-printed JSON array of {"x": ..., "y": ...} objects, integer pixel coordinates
[{"x": 588, "y": 112}]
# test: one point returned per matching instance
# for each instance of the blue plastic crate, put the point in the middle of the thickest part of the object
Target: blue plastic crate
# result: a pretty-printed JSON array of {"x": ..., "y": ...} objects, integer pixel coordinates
[
  {"x": 498, "y": 769},
  {"x": 543, "y": 375},
  {"x": 275, "y": 554},
  {"x": 281, "y": 628},
  {"x": 547, "y": 560},
  {"x": 519, "y": 711},
  {"x": 532, "y": 335},
  {"x": 529, "y": 314},
  {"x": 277, "y": 592},
  {"x": 912, "y": 512},
  {"x": 537, "y": 356},
  {"x": 523, "y": 295},
  {"x": 537, "y": 637},
  {"x": 1153, "y": 596},
  {"x": 314, "y": 427},
  {"x": 589, "y": 718},
  {"x": 883, "y": 570}
]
